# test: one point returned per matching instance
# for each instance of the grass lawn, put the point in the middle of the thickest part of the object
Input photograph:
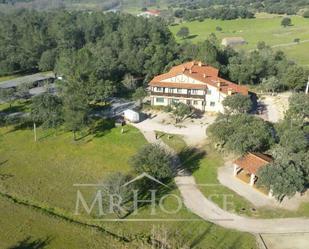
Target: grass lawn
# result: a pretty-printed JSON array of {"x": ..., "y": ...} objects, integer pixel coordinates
[
  {"x": 207, "y": 174},
  {"x": 44, "y": 172},
  {"x": 28, "y": 228},
  {"x": 9, "y": 77},
  {"x": 176, "y": 142},
  {"x": 55, "y": 163},
  {"x": 254, "y": 30}
]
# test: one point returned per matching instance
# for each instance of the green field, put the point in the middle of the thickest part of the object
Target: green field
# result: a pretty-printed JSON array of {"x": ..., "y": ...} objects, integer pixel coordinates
[
  {"x": 265, "y": 28},
  {"x": 43, "y": 173}
]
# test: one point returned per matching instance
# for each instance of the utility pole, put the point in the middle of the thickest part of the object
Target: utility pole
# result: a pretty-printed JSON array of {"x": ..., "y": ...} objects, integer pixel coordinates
[{"x": 307, "y": 87}]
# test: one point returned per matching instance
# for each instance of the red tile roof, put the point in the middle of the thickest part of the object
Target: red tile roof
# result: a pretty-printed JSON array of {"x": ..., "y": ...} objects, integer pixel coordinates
[
  {"x": 201, "y": 72},
  {"x": 153, "y": 12},
  {"x": 253, "y": 161},
  {"x": 176, "y": 85}
]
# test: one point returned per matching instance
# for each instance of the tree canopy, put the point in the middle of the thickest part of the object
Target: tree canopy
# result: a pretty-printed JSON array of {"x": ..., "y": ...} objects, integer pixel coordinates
[
  {"x": 154, "y": 160},
  {"x": 237, "y": 103},
  {"x": 241, "y": 133}
]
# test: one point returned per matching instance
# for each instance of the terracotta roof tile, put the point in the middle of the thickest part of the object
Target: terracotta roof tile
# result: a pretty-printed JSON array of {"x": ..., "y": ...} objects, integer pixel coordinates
[
  {"x": 252, "y": 161},
  {"x": 178, "y": 85},
  {"x": 201, "y": 72}
]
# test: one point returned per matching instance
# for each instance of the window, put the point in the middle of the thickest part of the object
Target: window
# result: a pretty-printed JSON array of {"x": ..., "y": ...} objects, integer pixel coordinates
[
  {"x": 208, "y": 92},
  {"x": 179, "y": 90},
  {"x": 194, "y": 91},
  {"x": 212, "y": 103},
  {"x": 195, "y": 102},
  {"x": 160, "y": 100},
  {"x": 171, "y": 90},
  {"x": 159, "y": 89}
]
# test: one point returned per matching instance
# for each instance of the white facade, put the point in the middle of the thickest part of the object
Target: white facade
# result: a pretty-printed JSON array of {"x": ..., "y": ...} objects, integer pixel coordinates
[{"x": 209, "y": 99}]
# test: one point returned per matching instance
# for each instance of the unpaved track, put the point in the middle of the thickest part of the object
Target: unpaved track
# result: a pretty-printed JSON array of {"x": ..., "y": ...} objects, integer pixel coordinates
[
  {"x": 195, "y": 201},
  {"x": 201, "y": 206}
]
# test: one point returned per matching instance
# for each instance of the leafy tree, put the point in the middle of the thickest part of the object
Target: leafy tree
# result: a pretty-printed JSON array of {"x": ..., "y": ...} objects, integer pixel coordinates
[
  {"x": 294, "y": 140},
  {"x": 218, "y": 28},
  {"x": 286, "y": 21},
  {"x": 113, "y": 187},
  {"x": 75, "y": 113},
  {"x": 181, "y": 111},
  {"x": 271, "y": 84},
  {"x": 139, "y": 95},
  {"x": 237, "y": 103},
  {"x": 299, "y": 105},
  {"x": 47, "y": 60},
  {"x": 287, "y": 175},
  {"x": 295, "y": 77},
  {"x": 183, "y": 32},
  {"x": 47, "y": 109},
  {"x": 241, "y": 133},
  {"x": 7, "y": 95},
  {"x": 154, "y": 160}
]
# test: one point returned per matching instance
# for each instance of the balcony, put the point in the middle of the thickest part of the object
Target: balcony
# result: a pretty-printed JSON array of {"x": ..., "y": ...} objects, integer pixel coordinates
[{"x": 178, "y": 95}]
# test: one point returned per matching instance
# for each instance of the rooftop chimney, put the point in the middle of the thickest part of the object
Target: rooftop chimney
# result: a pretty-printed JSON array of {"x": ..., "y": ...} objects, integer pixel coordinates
[
  {"x": 230, "y": 91},
  {"x": 200, "y": 64},
  {"x": 204, "y": 75},
  {"x": 219, "y": 84}
]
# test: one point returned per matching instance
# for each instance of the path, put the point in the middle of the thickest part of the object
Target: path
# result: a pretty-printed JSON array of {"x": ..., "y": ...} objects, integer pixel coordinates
[
  {"x": 289, "y": 44},
  {"x": 275, "y": 106},
  {"x": 201, "y": 206},
  {"x": 195, "y": 201}
]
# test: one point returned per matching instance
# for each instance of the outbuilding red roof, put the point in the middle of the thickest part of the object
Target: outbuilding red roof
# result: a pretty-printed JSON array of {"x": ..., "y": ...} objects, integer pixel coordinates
[{"x": 253, "y": 161}]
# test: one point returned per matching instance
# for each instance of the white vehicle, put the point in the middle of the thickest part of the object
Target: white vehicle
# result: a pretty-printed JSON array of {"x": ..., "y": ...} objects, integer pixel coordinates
[{"x": 131, "y": 116}]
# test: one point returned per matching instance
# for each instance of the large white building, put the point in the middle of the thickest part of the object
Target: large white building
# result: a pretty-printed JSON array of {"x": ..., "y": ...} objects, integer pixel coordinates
[{"x": 195, "y": 84}]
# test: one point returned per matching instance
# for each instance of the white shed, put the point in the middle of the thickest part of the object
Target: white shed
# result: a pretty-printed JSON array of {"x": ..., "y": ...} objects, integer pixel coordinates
[{"x": 131, "y": 116}]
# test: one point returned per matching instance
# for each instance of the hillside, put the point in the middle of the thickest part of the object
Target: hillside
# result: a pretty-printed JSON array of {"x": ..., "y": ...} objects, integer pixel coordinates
[{"x": 265, "y": 28}]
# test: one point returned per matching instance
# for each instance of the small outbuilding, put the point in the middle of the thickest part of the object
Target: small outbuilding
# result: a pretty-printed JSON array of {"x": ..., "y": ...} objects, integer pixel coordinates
[
  {"x": 233, "y": 41},
  {"x": 131, "y": 115},
  {"x": 247, "y": 166}
]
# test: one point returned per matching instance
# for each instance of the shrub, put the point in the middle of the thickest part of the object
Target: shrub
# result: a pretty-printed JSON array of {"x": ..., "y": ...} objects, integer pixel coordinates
[{"x": 153, "y": 160}]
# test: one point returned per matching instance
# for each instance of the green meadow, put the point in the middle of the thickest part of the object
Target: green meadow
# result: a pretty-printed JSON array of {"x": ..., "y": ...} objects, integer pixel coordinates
[
  {"x": 263, "y": 28},
  {"x": 41, "y": 176}
]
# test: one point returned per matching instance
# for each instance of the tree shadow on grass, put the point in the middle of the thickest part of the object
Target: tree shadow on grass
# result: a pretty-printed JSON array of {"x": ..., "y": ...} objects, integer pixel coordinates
[
  {"x": 190, "y": 159},
  {"x": 4, "y": 176},
  {"x": 148, "y": 190},
  {"x": 20, "y": 107},
  {"x": 200, "y": 236},
  {"x": 101, "y": 127},
  {"x": 191, "y": 36},
  {"x": 29, "y": 243}
]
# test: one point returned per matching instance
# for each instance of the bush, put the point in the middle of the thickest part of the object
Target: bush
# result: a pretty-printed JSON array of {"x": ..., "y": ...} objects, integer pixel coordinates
[
  {"x": 286, "y": 21},
  {"x": 297, "y": 40},
  {"x": 153, "y": 160},
  {"x": 306, "y": 14}
]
